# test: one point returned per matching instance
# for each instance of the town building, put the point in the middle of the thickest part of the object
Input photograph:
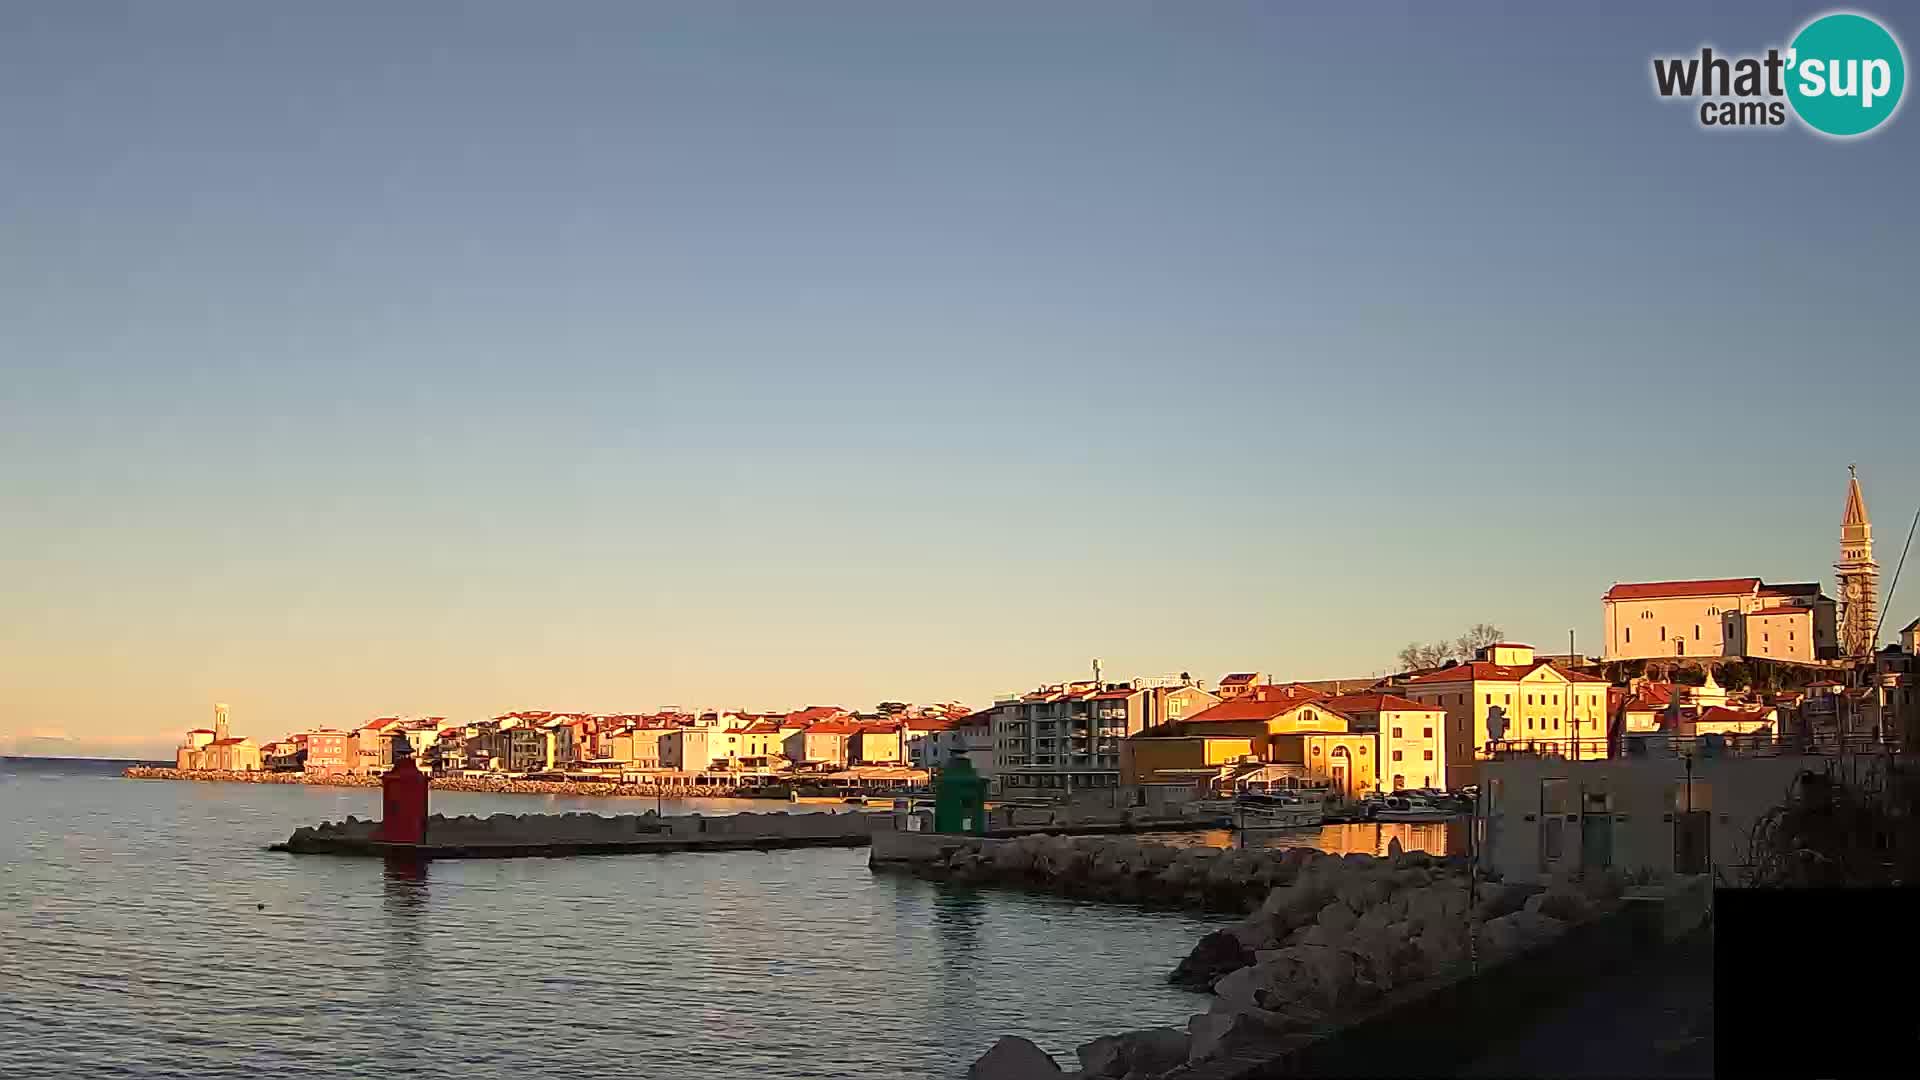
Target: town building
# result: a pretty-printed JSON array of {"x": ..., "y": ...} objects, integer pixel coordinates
[
  {"x": 1536, "y": 703},
  {"x": 330, "y": 752},
  {"x": 931, "y": 742},
  {"x": 1067, "y": 736},
  {"x": 688, "y": 749},
  {"x": 878, "y": 744},
  {"x": 1279, "y": 731},
  {"x": 1681, "y": 808},
  {"x": 1732, "y": 617},
  {"x": 822, "y": 743},
  {"x": 1412, "y": 737},
  {"x": 187, "y": 756},
  {"x": 230, "y": 755}
]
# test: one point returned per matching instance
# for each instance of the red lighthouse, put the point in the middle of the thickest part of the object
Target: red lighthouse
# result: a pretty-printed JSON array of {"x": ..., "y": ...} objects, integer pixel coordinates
[{"x": 403, "y": 798}]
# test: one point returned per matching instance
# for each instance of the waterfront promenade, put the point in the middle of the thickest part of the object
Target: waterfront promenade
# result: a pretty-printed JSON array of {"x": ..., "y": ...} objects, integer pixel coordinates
[{"x": 471, "y": 784}]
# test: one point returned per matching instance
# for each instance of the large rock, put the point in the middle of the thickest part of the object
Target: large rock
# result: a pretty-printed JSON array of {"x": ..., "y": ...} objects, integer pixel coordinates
[
  {"x": 1014, "y": 1058},
  {"x": 1565, "y": 904},
  {"x": 1215, "y": 955},
  {"x": 1148, "y": 1052},
  {"x": 1213, "y": 1035},
  {"x": 1519, "y": 931}
]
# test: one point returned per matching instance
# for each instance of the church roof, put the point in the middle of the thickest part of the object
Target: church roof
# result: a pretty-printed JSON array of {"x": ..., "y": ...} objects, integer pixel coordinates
[
  {"x": 1856, "y": 503},
  {"x": 1664, "y": 590}
]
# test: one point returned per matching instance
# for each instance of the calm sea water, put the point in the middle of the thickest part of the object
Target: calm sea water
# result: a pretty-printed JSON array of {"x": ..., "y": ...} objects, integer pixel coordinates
[{"x": 145, "y": 932}]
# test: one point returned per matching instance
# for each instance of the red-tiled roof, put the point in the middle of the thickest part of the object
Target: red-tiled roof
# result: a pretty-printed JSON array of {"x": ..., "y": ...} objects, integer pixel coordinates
[
  {"x": 1722, "y": 714},
  {"x": 1481, "y": 671},
  {"x": 201, "y": 731},
  {"x": 813, "y": 713},
  {"x": 1661, "y": 590},
  {"x": 832, "y": 727},
  {"x": 1781, "y": 611},
  {"x": 1377, "y": 702},
  {"x": 880, "y": 729},
  {"x": 764, "y": 727},
  {"x": 1254, "y": 708},
  {"x": 226, "y": 742},
  {"x": 927, "y": 723},
  {"x": 1114, "y": 695}
]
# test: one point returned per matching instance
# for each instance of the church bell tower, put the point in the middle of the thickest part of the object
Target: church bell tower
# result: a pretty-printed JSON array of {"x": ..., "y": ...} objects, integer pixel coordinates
[{"x": 1858, "y": 575}]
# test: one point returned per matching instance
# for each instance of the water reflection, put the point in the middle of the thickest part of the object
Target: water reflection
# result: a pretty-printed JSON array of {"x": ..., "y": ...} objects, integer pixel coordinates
[{"x": 1367, "y": 838}]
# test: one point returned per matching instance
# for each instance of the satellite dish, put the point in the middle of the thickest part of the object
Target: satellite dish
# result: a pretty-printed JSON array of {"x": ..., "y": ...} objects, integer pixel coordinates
[{"x": 1496, "y": 723}]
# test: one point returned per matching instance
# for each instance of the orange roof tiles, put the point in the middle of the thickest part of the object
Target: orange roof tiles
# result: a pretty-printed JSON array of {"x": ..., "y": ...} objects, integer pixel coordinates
[
  {"x": 1661, "y": 590},
  {"x": 1481, "y": 671},
  {"x": 1377, "y": 702}
]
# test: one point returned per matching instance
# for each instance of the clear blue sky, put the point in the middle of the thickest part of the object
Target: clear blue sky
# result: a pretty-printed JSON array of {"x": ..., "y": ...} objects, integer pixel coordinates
[{"x": 456, "y": 358}]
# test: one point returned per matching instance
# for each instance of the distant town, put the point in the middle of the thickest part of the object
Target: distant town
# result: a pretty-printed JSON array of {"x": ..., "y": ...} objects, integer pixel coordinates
[{"x": 1745, "y": 662}]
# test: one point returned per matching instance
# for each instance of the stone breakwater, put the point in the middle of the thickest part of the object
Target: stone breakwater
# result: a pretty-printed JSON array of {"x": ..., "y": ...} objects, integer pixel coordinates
[
  {"x": 477, "y": 785},
  {"x": 514, "y": 835},
  {"x": 1323, "y": 937}
]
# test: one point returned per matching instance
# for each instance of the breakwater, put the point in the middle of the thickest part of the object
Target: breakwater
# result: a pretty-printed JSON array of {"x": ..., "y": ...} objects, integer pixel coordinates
[
  {"x": 1324, "y": 940},
  {"x": 472, "y": 784},
  {"x": 503, "y": 836}
]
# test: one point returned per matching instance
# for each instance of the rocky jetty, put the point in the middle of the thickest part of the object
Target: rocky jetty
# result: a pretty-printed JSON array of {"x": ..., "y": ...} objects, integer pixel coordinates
[
  {"x": 1324, "y": 937},
  {"x": 507, "y": 835}
]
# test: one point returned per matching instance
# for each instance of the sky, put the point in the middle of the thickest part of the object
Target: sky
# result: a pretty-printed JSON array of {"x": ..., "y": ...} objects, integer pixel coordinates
[{"x": 453, "y": 359}]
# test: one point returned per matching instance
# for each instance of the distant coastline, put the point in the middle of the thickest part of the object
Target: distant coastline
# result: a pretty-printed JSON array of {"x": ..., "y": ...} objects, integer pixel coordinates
[{"x": 476, "y": 785}]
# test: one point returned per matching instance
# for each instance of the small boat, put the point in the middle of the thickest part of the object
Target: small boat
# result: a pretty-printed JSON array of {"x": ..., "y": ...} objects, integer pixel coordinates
[
  {"x": 1411, "y": 809},
  {"x": 1278, "y": 812}
]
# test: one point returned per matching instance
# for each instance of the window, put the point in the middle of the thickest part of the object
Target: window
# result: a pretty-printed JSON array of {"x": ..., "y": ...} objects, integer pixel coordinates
[
  {"x": 1429, "y": 754},
  {"x": 1509, "y": 699},
  {"x": 1556, "y": 723},
  {"x": 1663, "y": 633},
  {"x": 1397, "y": 755},
  {"x": 1396, "y": 733},
  {"x": 1529, "y": 723},
  {"x": 1429, "y": 733},
  {"x": 1764, "y": 636},
  {"x": 1529, "y": 699},
  {"x": 1489, "y": 699},
  {"x": 1696, "y": 631},
  {"x": 1363, "y": 749},
  {"x": 1629, "y": 635},
  {"x": 1316, "y": 751},
  {"x": 1789, "y": 635}
]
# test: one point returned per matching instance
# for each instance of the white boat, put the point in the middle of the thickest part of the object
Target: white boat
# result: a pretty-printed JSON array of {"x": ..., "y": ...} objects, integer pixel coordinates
[
  {"x": 1278, "y": 812},
  {"x": 1396, "y": 808}
]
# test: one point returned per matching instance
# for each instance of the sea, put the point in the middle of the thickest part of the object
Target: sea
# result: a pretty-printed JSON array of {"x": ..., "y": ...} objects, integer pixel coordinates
[{"x": 146, "y": 931}]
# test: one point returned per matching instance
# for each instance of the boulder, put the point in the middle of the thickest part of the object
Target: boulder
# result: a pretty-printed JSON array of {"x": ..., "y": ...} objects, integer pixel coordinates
[
  {"x": 1213, "y": 1035},
  {"x": 1337, "y": 917},
  {"x": 1566, "y": 905},
  {"x": 1013, "y": 1058},
  {"x": 1215, "y": 955},
  {"x": 1519, "y": 931},
  {"x": 1147, "y": 1052}
]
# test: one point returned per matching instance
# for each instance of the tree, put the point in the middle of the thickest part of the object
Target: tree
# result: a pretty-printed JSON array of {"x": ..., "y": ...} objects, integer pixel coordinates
[
  {"x": 1432, "y": 654},
  {"x": 1417, "y": 655},
  {"x": 1477, "y": 637}
]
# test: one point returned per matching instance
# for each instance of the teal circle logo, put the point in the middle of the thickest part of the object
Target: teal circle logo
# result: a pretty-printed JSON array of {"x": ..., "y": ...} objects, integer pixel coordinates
[{"x": 1845, "y": 74}]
